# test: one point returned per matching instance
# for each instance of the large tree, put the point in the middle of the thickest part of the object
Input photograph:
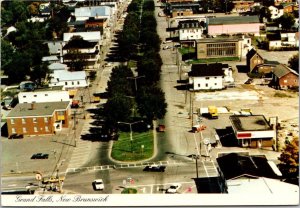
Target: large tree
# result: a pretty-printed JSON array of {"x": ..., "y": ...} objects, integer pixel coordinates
[
  {"x": 118, "y": 108},
  {"x": 289, "y": 160},
  {"x": 119, "y": 82},
  {"x": 287, "y": 21},
  {"x": 294, "y": 62},
  {"x": 151, "y": 103},
  {"x": 13, "y": 11}
]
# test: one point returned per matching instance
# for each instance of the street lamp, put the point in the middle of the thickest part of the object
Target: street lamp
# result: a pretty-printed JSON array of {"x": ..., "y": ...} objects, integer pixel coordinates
[
  {"x": 130, "y": 124},
  {"x": 135, "y": 78}
]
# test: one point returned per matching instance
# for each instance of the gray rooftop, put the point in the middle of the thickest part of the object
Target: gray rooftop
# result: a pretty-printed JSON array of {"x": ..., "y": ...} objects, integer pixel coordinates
[
  {"x": 250, "y": 123},
  {"x": 232, "y": 20},
  {"x": 282, "y": 70},
  {"x": 40, "y": 109}
]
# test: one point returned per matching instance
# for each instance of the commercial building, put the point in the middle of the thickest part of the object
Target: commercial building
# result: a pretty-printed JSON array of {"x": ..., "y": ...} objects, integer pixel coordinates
[
  {"x": 38, "y": 118},
  {"x": 233, "y": 25},
  {"x": 223, "y": 47},
  {"x": 252, "y": 131},
  {"x": 52, "y": 94}
]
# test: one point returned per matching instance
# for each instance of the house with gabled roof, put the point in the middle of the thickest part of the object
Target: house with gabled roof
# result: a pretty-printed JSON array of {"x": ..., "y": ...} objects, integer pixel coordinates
[
  {"x": 253, "y": 58},
  {"x": 253, "y": 174},
  {"x": 206, "y": 76},
  {"x": 235, "y": 165},
  {"x": 69, "y": 80},
  {"x": 284, "y": 77}
]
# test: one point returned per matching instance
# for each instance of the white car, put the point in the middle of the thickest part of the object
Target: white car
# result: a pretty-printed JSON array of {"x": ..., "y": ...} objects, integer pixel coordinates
[
  {"x": 98, "y": 184},
  {"x": 173, "y": 188}
]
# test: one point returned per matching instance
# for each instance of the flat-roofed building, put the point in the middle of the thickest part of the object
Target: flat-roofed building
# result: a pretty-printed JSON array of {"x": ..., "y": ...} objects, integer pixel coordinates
[
  {"x": 222, "y": 47},
  {"x": 38, "y": 118},
  {"x": 252, "y": 130},
  {"x": 51, "y": 94},
  {"x": 233, "y": 25}
]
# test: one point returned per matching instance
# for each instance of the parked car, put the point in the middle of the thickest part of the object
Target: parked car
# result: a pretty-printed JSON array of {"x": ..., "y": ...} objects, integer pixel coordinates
[
  {"x": 6, "y": 107},
  {"x": 249, "y": 81},
  {"x": 75, "y": 104},
  {"x": 166, "y": 47},
  {"x": 155, "y": 168},
  {"x": 98, "y": 184},
  {"x": 173, "y": 188},
  {"x": 16, "y": 136},
  {"x": 177, "y": 45},
  {"x": 40, "y": 156},
  {"x": 167, "y": 41}
]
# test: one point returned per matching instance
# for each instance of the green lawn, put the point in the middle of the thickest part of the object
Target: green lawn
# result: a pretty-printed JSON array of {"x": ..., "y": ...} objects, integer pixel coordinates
[
  {"x": 187, "y": 50},
  {"x": 121, "y": 149},
  {"x": 214, "y": 60}
]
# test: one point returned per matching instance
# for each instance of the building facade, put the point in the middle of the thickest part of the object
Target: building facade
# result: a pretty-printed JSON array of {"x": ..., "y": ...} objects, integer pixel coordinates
[
  {"x": 233, "y": 25},
  {"x": 285, "y": 77},
  {"x": 38, "y": 118},
  {"x": 219, "y": 47},
  {"x": 189, "y": 30},
  {"x": 54, "y": 94},
  {"x": 206, "y": 76}
]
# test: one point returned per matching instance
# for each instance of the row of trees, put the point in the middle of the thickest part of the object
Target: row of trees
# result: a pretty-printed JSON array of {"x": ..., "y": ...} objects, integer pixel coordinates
[
  {"x": 23, "y": 49},
  {"x": 142, "y": 99}
]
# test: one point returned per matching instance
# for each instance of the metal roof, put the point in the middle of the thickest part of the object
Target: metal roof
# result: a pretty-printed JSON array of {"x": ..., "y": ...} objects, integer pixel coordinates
[
  {"x": 40, "y": 109},
  {"x": 93, "y": 11},
  {"x": 63, "y": 75},
  {"x": 282, "y": 70},
  {"x": 57, "y": 66},
  {"x": 233, "y": 20}
]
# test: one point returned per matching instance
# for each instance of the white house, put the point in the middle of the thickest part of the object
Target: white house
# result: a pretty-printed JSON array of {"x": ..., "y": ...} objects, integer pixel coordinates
[
  {"x": 275, "y": 12},
  {"x": 69, "y": 80},
  {"x": 53, "y": 94},
  {"x": 206, "y": 76},
  {"x": 94, "y": 36},
  {"x": 88, "y": 51},
  {"x": 57, "y": 66},
  {"x": 50, "y": 59},
  {"x": 190, "y": 30}
]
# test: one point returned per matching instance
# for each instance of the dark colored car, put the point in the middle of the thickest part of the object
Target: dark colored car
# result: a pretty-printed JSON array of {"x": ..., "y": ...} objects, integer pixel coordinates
[
  {"x": 40, "y": 156},
  {"x": 155, "y": 168},
  {"x": 16, "y": 136},
  {"x": 249, "y": 81}
]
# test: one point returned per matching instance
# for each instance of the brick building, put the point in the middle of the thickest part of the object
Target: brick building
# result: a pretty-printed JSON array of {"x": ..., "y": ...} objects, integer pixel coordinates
[
  {"x": 38, "y": 118},
  {"x": 285, "y": 77}
]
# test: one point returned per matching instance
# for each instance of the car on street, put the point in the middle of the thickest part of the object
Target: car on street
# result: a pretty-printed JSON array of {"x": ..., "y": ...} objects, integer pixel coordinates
[
  {"x": 173, "y": 188},
  {"x": 52, "y": 179},
  {"x": 98, "y": 184},
  {"x": 155, "y": 168},
  {"x": 40, "y": 156},
  {"x": 16, "y": 136}
]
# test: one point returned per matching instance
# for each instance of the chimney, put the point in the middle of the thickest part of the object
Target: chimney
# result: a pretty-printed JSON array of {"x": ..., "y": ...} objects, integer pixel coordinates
[{"x": 32, "y": 106}]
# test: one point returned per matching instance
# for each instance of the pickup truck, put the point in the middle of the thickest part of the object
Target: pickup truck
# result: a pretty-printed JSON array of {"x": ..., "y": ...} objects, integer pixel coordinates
[{"x": 52, "y": 179}]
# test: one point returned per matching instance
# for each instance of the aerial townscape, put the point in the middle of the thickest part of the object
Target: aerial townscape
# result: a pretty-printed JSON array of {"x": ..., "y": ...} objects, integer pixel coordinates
[{"x": 187, "y": 97}]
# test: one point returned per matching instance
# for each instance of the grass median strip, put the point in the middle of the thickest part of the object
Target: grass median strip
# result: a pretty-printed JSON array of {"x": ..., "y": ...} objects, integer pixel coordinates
[{"x": 140, "y": 148}]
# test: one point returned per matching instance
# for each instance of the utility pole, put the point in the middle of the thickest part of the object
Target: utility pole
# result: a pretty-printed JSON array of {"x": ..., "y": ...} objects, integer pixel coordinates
[
  {"x": 135, "y": 83},
  {"x": 74, "y": 127},
  {"x": 131, "y": 138}
]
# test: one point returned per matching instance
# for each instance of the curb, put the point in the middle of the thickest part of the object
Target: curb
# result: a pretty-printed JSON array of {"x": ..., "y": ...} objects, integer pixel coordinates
[{"x": 145, "y": 160}]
